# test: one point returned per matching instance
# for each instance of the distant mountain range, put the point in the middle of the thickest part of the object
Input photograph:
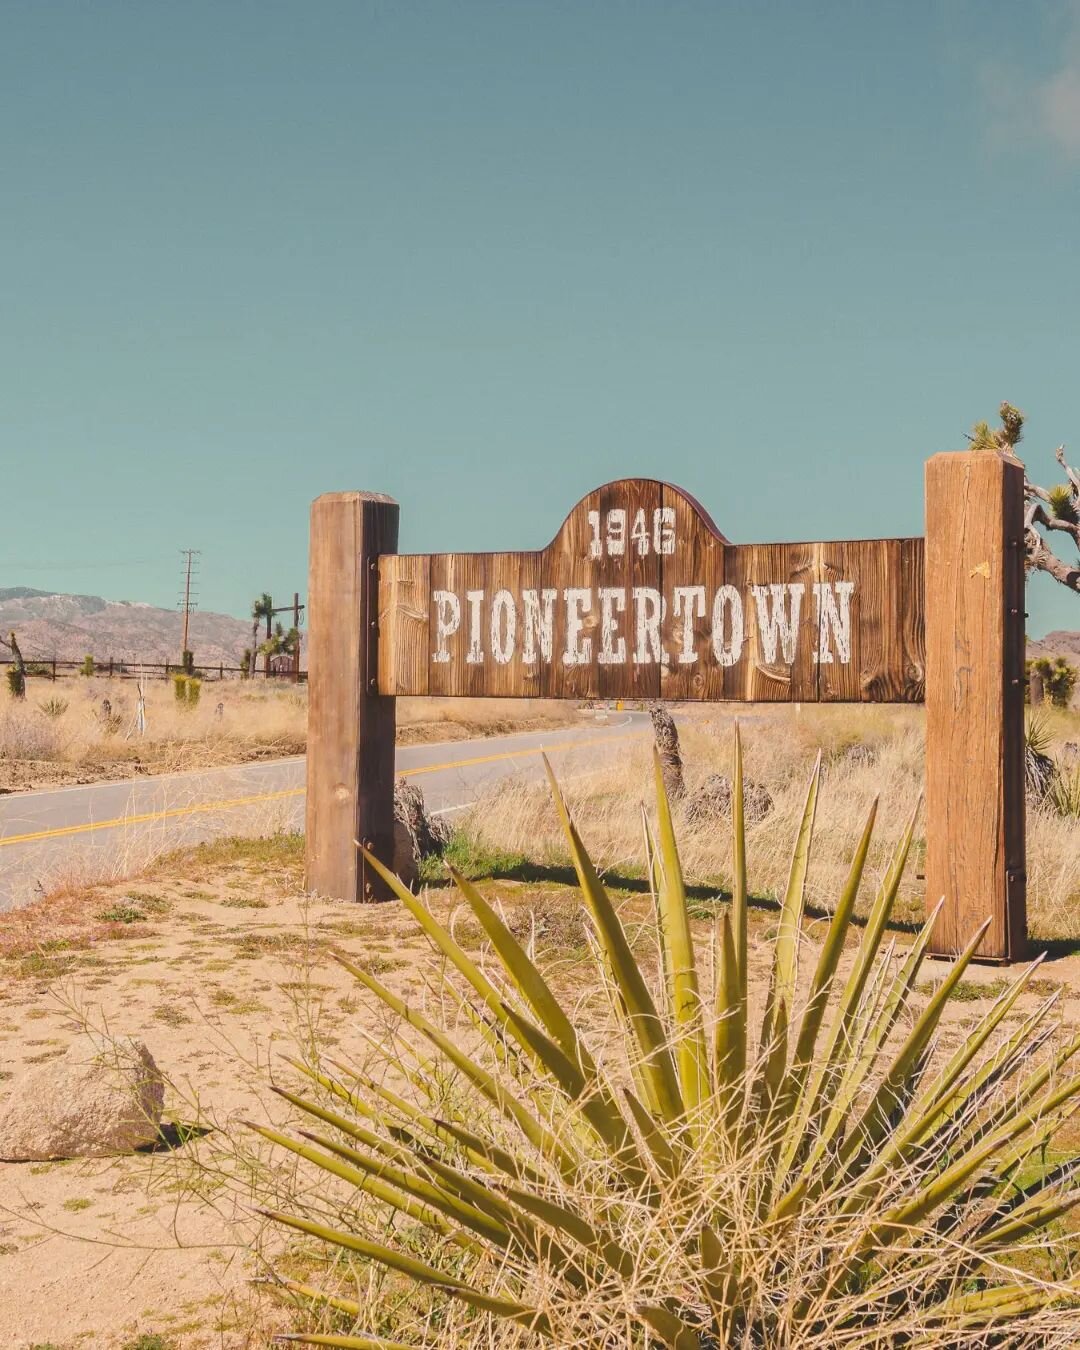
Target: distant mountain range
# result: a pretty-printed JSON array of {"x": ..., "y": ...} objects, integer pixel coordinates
[
  {"x": 67, "y": 627},
  {"x": 1058, "y": 643}
]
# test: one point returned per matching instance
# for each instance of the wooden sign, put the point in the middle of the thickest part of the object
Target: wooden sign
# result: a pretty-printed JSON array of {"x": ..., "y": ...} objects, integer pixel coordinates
[{"x": 639, "y": 596}]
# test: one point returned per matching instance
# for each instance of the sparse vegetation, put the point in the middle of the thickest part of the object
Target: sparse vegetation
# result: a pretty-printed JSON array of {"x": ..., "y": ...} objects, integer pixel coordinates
[
  {"x": 664, "y": 1172},
  {"x": 54, "y": 707},
  {"x": 186, "y": 690}
]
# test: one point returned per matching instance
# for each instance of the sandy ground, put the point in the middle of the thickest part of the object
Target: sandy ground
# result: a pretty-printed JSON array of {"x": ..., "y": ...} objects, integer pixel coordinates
[{"x": 220, "y": 966}]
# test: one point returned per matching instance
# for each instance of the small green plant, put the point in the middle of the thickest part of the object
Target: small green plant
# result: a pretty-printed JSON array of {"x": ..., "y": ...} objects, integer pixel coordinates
[
  {"x": 824, "y": 1173},
  {"x": 187, "y": 689},
  {"x": 245, "y": 664},
  {"x": 1064, "y": 793},
  {"x": 149, "y": 1341},
  {"x": 121, "y": 914},
  {"x": 16, "y": 682},
  {"x": 87, "y": 666},
  {"x": 54, "y": 708}
]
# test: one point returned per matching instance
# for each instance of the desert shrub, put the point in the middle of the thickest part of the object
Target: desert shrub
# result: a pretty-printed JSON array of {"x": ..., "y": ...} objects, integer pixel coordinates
[
  {"x": 187, "y": 689},
  {"x": 39, "y": 669},
  {"x": 820, "y": 1174},
  {"x": 54, "y": 707},
  {"x": 1058, "y": 677},
  {"x": 1064, "y": 794},
  {"x": 16, "y": 682},
  {"x": 87, "y": 666},
  {"x": 27, "y": 735}
]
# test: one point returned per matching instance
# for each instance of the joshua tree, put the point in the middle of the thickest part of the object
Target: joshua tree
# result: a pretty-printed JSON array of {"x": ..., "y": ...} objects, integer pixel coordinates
[
  {"x": 1055, "y": 510},
  {"x": 17, "y": 673},
  {"x": 279, "y": 643},
  {"x": 262, "y": 609}
]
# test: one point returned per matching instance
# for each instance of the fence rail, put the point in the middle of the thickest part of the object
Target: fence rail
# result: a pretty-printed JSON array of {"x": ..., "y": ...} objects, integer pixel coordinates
[{"x": 52, "y": 668}]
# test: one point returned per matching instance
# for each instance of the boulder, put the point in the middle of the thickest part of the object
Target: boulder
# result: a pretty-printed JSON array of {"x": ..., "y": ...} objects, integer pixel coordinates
[
  {"x": 711, "y": 801},
  {"x": 417, "y": 835},
  {"x": 95, "y": 1100}
]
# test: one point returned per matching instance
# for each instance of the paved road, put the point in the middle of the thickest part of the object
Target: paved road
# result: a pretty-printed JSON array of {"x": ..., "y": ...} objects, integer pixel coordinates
[{"x": 109, "y": 829}]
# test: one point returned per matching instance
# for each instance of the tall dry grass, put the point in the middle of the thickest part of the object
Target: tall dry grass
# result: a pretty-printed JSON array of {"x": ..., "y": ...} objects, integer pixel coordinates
[
  {"x": 233, "y": 721},
  {"x": 866, "y": 753}
]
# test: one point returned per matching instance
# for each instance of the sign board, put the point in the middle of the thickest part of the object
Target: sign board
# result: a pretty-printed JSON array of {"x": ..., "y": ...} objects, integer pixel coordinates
[{"x": 640, "y": 596}]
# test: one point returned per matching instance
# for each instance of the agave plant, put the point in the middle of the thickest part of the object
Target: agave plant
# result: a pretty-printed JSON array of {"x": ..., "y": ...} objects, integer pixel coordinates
[{"x": 804, "y": 1164}]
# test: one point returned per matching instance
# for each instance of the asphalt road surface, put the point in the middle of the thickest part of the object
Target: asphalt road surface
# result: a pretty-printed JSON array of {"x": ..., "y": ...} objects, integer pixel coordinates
[{"x": 109, "y": 829}]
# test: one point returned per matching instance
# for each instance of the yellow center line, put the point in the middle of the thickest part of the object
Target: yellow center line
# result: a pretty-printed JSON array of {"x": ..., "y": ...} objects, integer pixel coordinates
[{"x": 231, "y": 804}]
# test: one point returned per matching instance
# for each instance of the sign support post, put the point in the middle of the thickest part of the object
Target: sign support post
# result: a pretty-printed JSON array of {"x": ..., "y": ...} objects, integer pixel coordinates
[
  {"x": 975, "y": 701},
  {"x": 351, "y": 727}
]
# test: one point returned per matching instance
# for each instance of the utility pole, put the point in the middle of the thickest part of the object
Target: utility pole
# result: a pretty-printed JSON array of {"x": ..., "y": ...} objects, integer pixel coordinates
[{"x": 188, "y": 603}]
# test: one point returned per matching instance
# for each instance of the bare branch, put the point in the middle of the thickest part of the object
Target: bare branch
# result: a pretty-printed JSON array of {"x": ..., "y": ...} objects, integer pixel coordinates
[{"x": 1070, "y": 474}]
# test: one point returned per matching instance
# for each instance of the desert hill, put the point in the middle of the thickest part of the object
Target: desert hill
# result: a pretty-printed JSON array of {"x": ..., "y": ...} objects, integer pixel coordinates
[{"x": 49, "y": 624}]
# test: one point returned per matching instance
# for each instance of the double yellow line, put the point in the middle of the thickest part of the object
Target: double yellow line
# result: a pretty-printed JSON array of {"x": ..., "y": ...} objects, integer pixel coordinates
[{"x": 232, "y": 803}]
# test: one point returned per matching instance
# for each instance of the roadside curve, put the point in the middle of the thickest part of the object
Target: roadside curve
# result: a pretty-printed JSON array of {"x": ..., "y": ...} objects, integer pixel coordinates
[{"x": 108, "y": 829}]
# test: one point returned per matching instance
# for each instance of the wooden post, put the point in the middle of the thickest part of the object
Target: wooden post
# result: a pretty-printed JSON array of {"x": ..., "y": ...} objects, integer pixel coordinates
[
  {"x": 975, "y": 701},
  {"x": 350, "y": 755}
]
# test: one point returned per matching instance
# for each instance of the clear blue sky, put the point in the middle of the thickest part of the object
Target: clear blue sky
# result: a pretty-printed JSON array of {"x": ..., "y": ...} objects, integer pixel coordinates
[{"x": 485, "y": 256}]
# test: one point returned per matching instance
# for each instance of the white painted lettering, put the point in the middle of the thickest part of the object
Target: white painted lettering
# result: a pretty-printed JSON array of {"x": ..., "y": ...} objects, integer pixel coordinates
[
  {"x": 539, "y": 609},
  {"x": 775, "y": 622},
  {"x": 836, "y": 617},
  {"x": 689, "y": 605},
  {"x": 503, "y": 627},
  {"x": 447, "y": 622},
  {"x": 612, "y": 649},
  {"x": 475, "y": 654},
  {"x": 578, "y": 603},
  {"x": 649, "y": 607},
  {"x": 727, "y": 649}
]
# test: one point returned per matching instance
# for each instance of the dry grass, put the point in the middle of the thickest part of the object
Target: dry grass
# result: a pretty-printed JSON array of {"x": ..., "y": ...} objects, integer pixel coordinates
[
  {"x": 866, "y": 753},
  {"x": 44, "y": 742},
  {"x": 95, "y": 735}
]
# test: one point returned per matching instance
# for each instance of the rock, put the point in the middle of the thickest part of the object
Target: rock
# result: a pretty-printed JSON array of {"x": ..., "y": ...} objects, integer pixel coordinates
[
  {"x": 94, "y": 1101},
  {"x": 711, "y": 800},
  {"x": 416, "y": 834},
  {"x": 855, "y": 756}
]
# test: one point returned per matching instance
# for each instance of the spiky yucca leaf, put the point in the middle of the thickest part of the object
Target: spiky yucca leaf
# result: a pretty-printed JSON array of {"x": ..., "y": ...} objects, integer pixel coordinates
[
  {"x": 849, "y": 1186},
  {"x": 1062, "y": 503}
]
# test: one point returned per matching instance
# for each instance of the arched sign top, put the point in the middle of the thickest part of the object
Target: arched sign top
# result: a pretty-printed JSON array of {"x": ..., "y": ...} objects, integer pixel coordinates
[
  {"x": 634, "y": 509},
  {"x": 639, "y": 595}
]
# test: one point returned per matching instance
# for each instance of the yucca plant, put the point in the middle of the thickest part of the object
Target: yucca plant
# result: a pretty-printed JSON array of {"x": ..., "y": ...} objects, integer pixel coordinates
[{"x": 801, "y": 1164}]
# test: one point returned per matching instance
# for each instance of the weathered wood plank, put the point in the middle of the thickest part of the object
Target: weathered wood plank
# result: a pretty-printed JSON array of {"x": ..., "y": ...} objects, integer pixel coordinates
[
  {"x": 510, "y": 580},
  {"x": 571, "y": 571},
  {"x": 690, "y": 578},
  {"x": 456, "y": 642},
  {"x": 350, "y": 726},
  {"x": 404, "y": 591},
  {"x": 974, "y": 701}
]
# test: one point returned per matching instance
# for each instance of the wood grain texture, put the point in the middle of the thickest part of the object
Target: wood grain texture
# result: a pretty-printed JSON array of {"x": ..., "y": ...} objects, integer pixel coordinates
[
  {"x": 616, "y": 550},
  {"x": 404, "y": 589},
  {"x": 974, "y": 701},
  {"x": 350, "y": 754}
]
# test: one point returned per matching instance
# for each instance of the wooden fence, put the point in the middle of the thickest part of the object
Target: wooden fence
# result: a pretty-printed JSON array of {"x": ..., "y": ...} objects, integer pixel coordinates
[{"x": 52, "y": 668}]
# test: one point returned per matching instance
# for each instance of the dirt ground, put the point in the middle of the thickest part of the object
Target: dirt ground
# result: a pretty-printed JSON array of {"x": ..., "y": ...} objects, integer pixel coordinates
[{"x": 218, "y": 963}]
